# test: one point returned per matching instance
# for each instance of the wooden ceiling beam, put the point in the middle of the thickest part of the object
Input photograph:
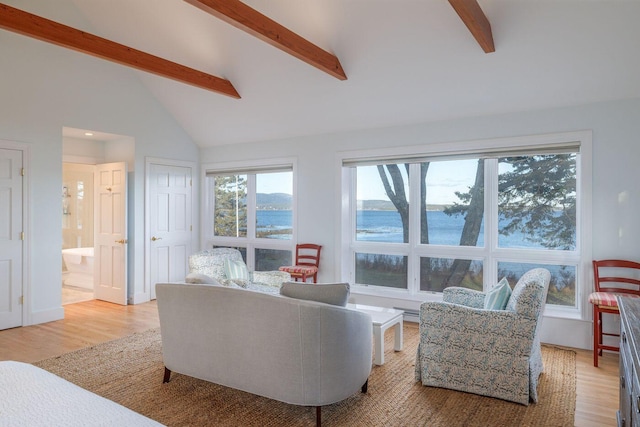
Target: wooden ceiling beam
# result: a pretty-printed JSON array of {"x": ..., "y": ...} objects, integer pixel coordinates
[
  {"x": 30, "y": 25},
  {"x": 247, "y": 19},
  {"x": 476, "y": 21}
]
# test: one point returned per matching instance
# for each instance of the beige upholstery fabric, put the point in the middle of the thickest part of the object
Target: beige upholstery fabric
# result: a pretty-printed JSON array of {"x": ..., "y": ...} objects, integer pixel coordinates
[{"x": 295, "y": 351}]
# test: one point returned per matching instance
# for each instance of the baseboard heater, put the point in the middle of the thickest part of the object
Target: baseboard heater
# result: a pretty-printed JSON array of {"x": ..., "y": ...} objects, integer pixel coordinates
[{"x": 410, "y": 315}]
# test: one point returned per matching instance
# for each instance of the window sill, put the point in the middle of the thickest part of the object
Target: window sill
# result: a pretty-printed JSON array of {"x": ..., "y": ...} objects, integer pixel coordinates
[{"x": 559, "y": 312}]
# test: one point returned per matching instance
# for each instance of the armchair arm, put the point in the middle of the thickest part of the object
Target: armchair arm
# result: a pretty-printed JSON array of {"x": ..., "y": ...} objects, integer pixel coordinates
[
  {"x": 270, "y": 278},
  {"x": 463, "y": 296}
]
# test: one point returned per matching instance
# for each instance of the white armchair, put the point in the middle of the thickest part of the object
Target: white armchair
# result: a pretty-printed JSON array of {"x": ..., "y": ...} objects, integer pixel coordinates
[
  {"x": 488, "y": 352},
  {"x": 217, "y": 263}
]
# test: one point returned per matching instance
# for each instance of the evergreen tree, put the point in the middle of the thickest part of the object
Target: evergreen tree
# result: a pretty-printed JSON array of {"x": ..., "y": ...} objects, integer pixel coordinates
[
  {"x": 230, "y": 218},
  {"x": 538, "y": 198}
]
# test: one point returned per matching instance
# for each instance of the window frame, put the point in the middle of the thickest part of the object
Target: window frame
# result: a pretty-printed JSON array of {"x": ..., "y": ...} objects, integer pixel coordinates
[
  {"x": 250, "y": 242},
  {"x": 490, "y": 254}
]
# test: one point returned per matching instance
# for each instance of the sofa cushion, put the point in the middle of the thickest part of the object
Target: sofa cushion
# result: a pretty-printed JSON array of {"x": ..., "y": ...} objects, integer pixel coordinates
[
  {"x": 329, "y": 293},
  {"x": 498, "y": 297},
  {"x": 200, "y": 279}
]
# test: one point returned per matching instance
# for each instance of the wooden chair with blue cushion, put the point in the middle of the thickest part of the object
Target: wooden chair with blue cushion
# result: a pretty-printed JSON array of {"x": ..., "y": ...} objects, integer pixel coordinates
[
  {"x": 471, "y": 342},
  {"x": 307, "y": 263},
  {"x": 611, "y": 277}
]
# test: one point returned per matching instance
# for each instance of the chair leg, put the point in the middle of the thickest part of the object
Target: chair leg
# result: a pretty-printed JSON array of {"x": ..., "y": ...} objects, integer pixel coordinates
[
  {"x": 318, "y": 416},
  {"x": 167, "y": 375},
  {"x": 601, "y": 333},
  {"x": 596, "y": 334}
]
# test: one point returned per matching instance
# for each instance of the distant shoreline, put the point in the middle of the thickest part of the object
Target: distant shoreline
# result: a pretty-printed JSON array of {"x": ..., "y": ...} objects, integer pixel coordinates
[
  {"x": 430, "y": 208},
  {"x": 363, "y": 205}
]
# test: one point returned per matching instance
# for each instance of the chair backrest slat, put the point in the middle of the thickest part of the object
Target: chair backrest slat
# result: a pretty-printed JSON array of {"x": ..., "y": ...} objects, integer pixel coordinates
[
  {"x": 619, "y": 272},
  {"x": 308, "y": 254}
]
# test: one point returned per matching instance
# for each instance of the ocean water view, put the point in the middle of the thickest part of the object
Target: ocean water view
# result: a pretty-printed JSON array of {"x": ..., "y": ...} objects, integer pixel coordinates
[{"x": 386, "y": 226}]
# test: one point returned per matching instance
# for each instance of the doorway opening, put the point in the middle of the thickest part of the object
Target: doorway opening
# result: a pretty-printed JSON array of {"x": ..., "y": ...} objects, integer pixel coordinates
[
  {"x": 77, "y": 232},
  {"x": 84, "y": 155}
]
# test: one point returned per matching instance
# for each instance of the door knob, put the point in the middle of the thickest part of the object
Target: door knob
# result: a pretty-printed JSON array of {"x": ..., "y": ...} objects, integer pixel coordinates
[
  {"x": 154, "y": 238},
  {"x": 122, "y": 241}
]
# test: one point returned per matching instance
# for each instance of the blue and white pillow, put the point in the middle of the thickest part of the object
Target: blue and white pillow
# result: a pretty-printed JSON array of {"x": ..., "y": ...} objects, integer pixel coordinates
[
  {"x": 236, "y": 272},
  {"x": 498, "y": 297}
]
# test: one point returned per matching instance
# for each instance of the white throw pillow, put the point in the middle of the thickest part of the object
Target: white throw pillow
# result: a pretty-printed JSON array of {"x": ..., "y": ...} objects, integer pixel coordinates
[{"x": 200, "y": 279}]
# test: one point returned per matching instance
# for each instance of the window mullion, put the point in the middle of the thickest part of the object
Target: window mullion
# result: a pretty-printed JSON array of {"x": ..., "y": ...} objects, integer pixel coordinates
[
  {"x": 413, "y": 258},
  {"x": 352, "y": 229},
  {"x": 209, "y": 208},
  {"x": 251, "y": 220},
  {"x": 491, "y": 222}
]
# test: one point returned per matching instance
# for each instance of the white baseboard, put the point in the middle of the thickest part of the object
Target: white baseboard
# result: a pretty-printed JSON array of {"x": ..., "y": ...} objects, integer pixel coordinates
[
  {"x": 139, "y": 298},
  {"x": 45, "y": 316}
]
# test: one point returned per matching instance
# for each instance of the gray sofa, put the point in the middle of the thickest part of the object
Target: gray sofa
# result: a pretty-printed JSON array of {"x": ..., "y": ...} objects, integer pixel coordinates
[{"x": 296, "y": 351}]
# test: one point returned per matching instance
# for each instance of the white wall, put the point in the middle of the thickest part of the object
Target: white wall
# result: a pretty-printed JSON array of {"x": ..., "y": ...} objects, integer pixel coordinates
[
  {"x": 44, "y": 88},
  {"x": 616, "y": 199}
]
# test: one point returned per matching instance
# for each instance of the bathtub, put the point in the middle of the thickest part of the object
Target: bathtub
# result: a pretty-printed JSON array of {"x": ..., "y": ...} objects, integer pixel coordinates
[{"x": 79, "y": 264}]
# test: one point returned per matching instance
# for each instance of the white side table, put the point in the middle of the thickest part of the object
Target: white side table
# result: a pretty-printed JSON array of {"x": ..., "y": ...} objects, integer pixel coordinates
[{"x": 383, "y": 319}]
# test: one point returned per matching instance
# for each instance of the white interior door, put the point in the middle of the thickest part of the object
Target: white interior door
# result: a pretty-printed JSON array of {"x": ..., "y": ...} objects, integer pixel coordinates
[
  {"x": 110, "y": 238},
  {"x": 10, "y": 238},
  {"x": 170, "y": 223}
]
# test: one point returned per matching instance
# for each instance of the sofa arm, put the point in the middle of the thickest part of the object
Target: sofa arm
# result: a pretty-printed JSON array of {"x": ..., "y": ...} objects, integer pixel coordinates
[{"x": 463, "y": 296}]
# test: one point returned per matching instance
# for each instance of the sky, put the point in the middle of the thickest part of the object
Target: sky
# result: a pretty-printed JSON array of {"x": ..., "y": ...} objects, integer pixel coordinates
[
  {"x": 277, "y": 182},
  {"x": 444, "y": 178}
]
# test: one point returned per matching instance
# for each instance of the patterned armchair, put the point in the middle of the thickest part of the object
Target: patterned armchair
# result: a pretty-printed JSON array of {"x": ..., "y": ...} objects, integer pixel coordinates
[
  {"x": 493, "y": 353},
  {"x": 220, "y": 263}
]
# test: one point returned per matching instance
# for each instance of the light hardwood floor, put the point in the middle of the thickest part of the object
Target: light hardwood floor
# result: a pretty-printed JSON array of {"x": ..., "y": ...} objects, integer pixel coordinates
[{"x": 93, "y": 322}]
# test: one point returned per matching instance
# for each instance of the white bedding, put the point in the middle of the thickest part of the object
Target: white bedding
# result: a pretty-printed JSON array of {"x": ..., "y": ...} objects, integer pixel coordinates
[{"x": 30, "y": 396}]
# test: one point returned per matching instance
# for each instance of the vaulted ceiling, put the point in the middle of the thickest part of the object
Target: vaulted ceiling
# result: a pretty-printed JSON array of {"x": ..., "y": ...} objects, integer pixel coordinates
[{"x": 405, "y": 61}]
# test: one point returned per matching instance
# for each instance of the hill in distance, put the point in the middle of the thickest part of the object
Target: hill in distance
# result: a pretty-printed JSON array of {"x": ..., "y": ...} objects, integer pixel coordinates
[
  {"x": 278, "y": 201},
  {"x": 386, "y": 205},
  {"x": 273, "y": 201}
]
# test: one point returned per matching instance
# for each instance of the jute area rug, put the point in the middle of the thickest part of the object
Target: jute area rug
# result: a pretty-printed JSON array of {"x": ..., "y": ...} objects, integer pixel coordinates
[{"x": 129, "y": 371}]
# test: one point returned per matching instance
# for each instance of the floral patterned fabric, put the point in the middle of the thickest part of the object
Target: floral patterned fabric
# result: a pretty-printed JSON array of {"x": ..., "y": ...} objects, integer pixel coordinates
[
  {"x": 463, "y": 296},
  {"x": 493, "y": 353},
  {"x": 212, "y": 263}
]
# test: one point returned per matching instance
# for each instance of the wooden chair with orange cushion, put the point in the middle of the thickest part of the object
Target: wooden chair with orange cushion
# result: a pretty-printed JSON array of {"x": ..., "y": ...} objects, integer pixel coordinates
[
  {"x": 307, "y": 263},
  {"x": 611, "y": 277}
]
